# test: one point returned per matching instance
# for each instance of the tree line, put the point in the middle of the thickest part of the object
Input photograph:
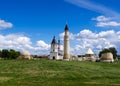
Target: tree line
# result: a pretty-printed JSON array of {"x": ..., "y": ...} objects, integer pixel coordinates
[
  {"x": 13, "y": 54},
  {"x": 9, "y": 54}
]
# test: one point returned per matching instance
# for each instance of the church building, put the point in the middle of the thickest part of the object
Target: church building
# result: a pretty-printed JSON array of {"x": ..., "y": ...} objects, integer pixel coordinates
[{"x": 56, "y": 50}]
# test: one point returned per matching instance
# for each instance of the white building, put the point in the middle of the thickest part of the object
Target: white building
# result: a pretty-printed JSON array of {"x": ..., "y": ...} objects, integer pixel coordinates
[
  {"x": 107, "y": 57},
  {"x": 56, "y": 50},
  {"x": 25, "y": 55},
  {"x": 89, "y": 56}
]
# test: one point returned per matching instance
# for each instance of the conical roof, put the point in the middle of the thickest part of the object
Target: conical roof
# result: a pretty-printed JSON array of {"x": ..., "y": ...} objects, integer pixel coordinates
[
  {"x": 89, "y": 51},
  {"x": 66, "y": 27},
  {"x": 54, "y": 41}
]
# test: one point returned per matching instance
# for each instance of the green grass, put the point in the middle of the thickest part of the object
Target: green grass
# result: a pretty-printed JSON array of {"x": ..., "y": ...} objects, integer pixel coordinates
[{"x": 58, "y": 73}]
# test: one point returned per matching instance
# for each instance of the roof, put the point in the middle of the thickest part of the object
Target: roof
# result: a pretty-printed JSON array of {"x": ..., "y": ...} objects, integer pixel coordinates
[
  {"x": 54, "y": 41},
  {"x": 25, "y": 53},
  {"x": 66, "y": 27},
  {"x": 89, "y": 51}
]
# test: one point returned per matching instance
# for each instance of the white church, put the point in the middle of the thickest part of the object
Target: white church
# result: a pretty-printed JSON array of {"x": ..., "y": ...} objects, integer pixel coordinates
[{"x": 58, "y": 51}]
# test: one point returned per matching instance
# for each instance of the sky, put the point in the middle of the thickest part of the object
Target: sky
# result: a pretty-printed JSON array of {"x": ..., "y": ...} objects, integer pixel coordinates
[{"x": 29, "y": 25}]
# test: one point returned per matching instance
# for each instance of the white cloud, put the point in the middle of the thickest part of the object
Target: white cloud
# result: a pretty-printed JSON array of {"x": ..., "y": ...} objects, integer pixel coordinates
[
  {"x": 103, "y": 21},
  {"x": 62, "y": 36},
  {"x": 23, "y": 43},
  {"x": 101, "y": 18},
  {"x": 86, "y": 34},
  {"x": 86, "y": 39},
  {"x": 113, "y": 19},
  {"x": 4, "y": 24},
  {"x": 107, "y": 34},
  {"x": 108, "y": 24},
  {"x": 14, "y": 41},
  {"x": 80, "y": 42},
  {"x": 41, "y": 44},
  {"x": 91, "y": 5}
]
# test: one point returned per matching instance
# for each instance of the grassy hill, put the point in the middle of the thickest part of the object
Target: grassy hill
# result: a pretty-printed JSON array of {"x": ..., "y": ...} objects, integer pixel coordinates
[{"x": 58, "y": 73}]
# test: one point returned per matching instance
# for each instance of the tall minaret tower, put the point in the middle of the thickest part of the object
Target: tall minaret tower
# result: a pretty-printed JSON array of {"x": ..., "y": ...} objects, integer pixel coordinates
[{"x": 66, "y": 44}]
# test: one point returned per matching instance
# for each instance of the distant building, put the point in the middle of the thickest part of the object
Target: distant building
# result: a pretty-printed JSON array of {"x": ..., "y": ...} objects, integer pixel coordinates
[
  {"x": 89, "y": 53},
  {"x": 25, "y": 55},
  {"x": 56, "y": 50},
  {"x": 107, "y": 57},
  {"x": 89, "y": 56}
]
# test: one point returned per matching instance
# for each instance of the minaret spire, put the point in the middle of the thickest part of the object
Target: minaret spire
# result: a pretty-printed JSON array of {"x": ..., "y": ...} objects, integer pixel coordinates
[
  {"x": 66, "y": 27},
  {"x": 66, "y": 44}
]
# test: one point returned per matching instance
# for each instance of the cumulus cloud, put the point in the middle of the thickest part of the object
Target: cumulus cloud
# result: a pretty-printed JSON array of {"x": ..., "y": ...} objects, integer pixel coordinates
[
  {"x": 87, "y": 34},
  {"x": 80, "y": 42},
  {"x": 95, "y": 6},
  {"x": 23, "y": 43},
  {"x": 106, "y": 24},
  {"x": 101, "y": 18},
  {"x": 71, "y": 36},
  {"x": 4, "y": 24},
  {"x": 41, "y": 44},
  {"x": 86, "y": 39},
  {"x": 103, "y": 21}
]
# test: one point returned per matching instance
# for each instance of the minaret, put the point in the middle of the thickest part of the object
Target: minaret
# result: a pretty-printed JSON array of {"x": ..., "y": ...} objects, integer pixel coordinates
[{"x": 66, "y": 44}]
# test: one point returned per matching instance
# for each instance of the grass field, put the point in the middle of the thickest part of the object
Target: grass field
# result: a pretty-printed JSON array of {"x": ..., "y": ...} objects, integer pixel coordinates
[{"x": 58, "y": 73}]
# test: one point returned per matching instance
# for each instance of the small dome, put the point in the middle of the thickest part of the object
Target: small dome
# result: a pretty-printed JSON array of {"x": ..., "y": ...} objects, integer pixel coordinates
[
  {"x": 89, "y": 51},
  {"x": 25, "y": 53}
]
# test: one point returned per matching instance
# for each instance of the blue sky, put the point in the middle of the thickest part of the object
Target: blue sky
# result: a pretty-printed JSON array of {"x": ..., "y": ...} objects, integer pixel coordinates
[{"x": 29, "y": 25}]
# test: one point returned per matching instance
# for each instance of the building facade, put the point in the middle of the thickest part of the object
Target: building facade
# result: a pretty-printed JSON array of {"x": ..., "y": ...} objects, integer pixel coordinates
[{"x": 56, "y": 52}]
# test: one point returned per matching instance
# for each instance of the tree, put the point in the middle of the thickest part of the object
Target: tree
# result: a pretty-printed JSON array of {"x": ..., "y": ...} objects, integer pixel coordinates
[
  {"x": 9, "y": 54},
  {"x": 5, "y": 53},
  {"x": 0, "y": 54},
  {"x": 113, "y": 51},
  {"x": 13, "y": 54}
]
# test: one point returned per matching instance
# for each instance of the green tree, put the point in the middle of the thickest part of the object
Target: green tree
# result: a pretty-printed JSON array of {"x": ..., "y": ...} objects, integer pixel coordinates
[
  {"x": 9, "y": 54},
  {"x": 0, "y": 54},
  {"x": 5, "y": 53},
  {"x": 13, "y": 54},
  {"x": 113, "y": 51}
]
